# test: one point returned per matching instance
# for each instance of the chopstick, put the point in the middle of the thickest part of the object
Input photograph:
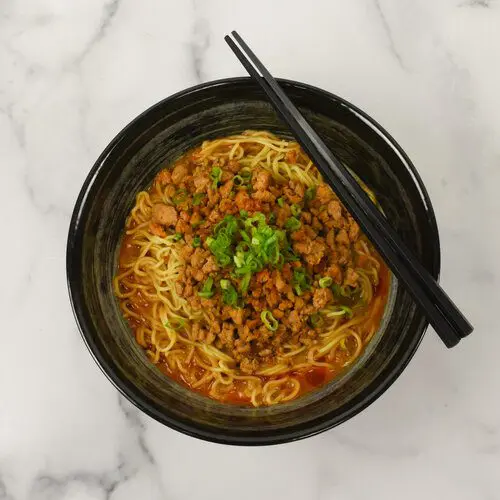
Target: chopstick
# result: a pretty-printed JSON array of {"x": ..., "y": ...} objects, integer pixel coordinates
[{"x": 447, "y": 320}]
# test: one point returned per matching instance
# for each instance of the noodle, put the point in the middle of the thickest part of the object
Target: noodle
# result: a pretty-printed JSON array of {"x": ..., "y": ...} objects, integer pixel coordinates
[{"x": 167, "y": 326}]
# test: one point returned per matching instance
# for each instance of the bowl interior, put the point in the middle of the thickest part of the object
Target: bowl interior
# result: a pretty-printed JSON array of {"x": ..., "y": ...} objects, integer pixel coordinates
[{"x": 157, "y": 138}]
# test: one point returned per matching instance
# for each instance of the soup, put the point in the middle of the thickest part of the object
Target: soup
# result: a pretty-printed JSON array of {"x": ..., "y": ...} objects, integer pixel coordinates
[{"x": 243, "y": 276}]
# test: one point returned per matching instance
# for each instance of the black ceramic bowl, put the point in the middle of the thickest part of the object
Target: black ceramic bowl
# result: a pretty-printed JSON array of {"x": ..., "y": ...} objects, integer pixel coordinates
[{"x": 128, "y": 165}]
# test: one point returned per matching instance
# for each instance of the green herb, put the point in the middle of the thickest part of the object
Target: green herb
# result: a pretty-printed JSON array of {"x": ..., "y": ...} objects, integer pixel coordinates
[
  {"x": 281, "y": 201},
  {"x": 239, "y": 180},
  {"x": 292, "y": 224},
  {"x": 206, "y": 291},
  {"x": 272, "y": 218},
  {"x": 178, "y": 236},
  {"x": 197, "y": 198},
  {"x": 347, "y": 310},
  {"x": 325, "y": 282},
  {"x": 300, "y": 281},
  {"x": 295, "y": 209},
  {"x": 310, "y": 193},
  {"x": 180, "y": 323},
  {"x": 270, "y": 322},
  {"x": 196, "y": 241},
  {"x": 342, "y": 291},
  {"x": 224, "y": 236},
  {"x": 180, "y": 196},
  {"x": 245, "y": 282},
  {"x": 215, "y": 176},
  {"x": 316, "y": 320},
  {"x": 229, "y": 293},
  {"x": 249, "y": 244},
  {"x": 246, "y": 174}
]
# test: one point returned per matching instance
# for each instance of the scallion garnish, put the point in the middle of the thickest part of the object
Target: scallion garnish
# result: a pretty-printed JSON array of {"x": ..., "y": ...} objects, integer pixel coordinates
[
  {"x": 206, "y": 291},
  {"x": 215, "y": 176},
  {"x": 180, "y": 196},
  {"x": 325, "y": 282},
  {"x": 229, "y": 293},
  {"x": 310, "y": 193},
  {"x": 270, "y": 322},
  {"x": 292, "y": 224},
  {"x": 197, "y": 198},
  {"x": 300, "y": 281}
]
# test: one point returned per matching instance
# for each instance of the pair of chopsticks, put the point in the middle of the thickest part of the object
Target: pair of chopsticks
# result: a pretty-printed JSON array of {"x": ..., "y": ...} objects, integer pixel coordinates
[{"x": 449, "y": 323}]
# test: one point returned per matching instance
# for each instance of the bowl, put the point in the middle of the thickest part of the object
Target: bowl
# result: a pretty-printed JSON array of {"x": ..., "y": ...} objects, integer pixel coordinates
[{"x": 160, "y": 135}]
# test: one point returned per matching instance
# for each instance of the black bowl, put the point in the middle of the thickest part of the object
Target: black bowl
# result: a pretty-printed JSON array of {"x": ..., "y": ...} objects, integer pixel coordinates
[{"x": 128, "y": 165}]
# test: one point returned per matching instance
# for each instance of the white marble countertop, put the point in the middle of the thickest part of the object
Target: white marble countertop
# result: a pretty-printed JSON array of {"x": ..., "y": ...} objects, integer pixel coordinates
[{"x": 73, "y": 73}]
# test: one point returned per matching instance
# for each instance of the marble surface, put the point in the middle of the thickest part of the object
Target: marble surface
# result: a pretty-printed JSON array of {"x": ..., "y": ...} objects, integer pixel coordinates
[{"x": 73, "y": 73}]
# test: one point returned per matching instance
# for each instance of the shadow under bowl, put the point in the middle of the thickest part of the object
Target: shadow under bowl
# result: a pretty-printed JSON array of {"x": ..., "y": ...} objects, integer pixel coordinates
[{"x": 158, "y": 137}]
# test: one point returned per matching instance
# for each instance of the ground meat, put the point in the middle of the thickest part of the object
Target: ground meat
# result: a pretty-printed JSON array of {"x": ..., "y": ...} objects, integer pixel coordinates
[
  {"x": 198, "y": 258},
  {"x": 249, "y": 366},
  {"x": 335, "y": 209},
  {"x": 291, "y": 156},
  {"x": 312, "y": 250},
  {"x": 201, "y": 183},
  {"x": 353, "y": 231},
  {"x": 226, "y": 189},
  {"x": 157, "y": 230},
  {"x": 164, "y": 214},
  {"x": 261, "y": 180},
  {"x": 163, "y": 177},
  {"x": 321, "y": 297},
  {"x": 342, "y": 237},
  {"x": 266, "y": 196},
  {"x": 335, "y": 272},
  {"x": 324, "y": 194},
  {"x": 351, "y": 277},
  {"x": 179, "y": 172}
]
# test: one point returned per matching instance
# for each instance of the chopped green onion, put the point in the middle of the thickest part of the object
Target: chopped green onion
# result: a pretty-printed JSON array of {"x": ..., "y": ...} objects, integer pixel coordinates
[
  {"x": 292, "y": 224},
  {"x": 342, "y": 291},
  {"x": 347, "y": 310},
  {"x": 180, "y": 324},
  {"x": 243, "y": 214},
  {"x": 245, "y": 282},
  {"x": 196, "y": 241},
  {"x": 272, "y": 218},
  {"x": 316, "y": 320},
  {"x": 180, "y": 196},
  {"x": 197, "y": 198},
  {"x": 281, "y": 201},
  {"x": 178, "y": 236},
  {"x": 238, "y": 180},
  {"x": 295, "y": 209},
  {"x": 206, "y": 292},
  {"x": 246, "y": 174},
  {"x": 300, "y": 281},
  {"x": 310, "y": 193},
  {"x": 325, "y": 282},
  {"x": 270, "y": 322},
  {"x": 215, "y": 176},
  {"x": 229, "y": 293}
]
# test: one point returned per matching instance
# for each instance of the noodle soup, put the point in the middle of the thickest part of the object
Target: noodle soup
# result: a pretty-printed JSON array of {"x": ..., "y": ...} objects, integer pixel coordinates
[{"x": 243, "y": 276}]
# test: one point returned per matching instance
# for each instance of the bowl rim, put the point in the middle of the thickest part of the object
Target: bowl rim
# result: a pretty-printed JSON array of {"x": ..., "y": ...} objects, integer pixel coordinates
[{"x": 126, "y": 388}]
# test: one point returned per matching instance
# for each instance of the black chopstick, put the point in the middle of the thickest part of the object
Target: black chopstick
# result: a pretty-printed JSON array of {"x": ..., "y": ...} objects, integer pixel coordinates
[{"x": 449, "y": 323}]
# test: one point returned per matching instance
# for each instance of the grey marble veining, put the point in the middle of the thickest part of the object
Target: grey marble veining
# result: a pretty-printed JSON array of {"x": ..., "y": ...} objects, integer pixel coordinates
[{"x": 74, "y": 73}]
